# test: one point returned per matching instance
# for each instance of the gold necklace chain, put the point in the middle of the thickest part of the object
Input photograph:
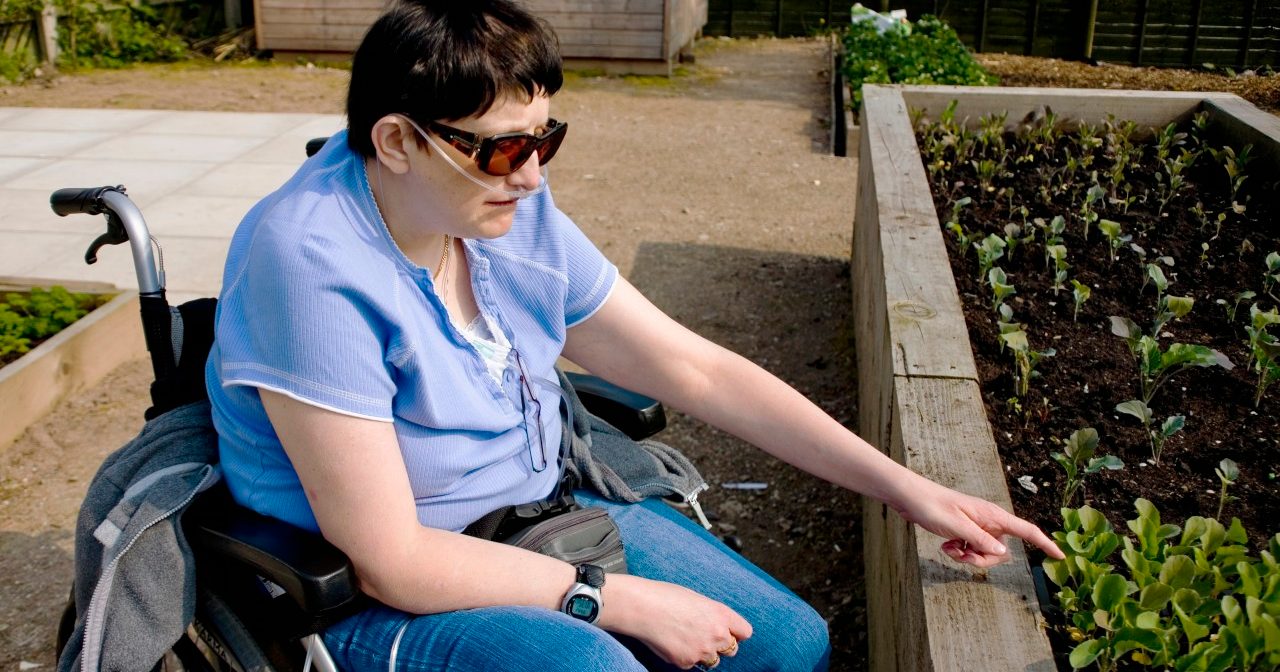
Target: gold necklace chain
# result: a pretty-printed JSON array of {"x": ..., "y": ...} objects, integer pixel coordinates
[{"x": 440, "y": 269}]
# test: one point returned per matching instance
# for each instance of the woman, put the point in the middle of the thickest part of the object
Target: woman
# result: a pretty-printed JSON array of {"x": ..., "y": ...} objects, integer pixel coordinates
[{"x": 390, "y": 318}]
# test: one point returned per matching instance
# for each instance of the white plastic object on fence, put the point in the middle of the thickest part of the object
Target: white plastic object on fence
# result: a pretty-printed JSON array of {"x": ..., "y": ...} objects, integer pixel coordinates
[{"x": 894, "y": 20}]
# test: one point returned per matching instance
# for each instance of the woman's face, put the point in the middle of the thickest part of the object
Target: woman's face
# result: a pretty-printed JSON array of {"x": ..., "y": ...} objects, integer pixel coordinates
[{"x": 447, "y": 201}]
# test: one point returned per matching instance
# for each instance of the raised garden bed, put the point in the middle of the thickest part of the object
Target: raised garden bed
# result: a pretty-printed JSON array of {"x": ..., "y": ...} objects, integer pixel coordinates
[
  {"x": 922, "y": 394},
  {"x": 74, "y": 358}
]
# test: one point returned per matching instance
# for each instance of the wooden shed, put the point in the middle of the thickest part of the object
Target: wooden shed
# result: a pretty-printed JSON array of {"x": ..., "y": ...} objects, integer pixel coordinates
[{"x": 644, "y": 36}]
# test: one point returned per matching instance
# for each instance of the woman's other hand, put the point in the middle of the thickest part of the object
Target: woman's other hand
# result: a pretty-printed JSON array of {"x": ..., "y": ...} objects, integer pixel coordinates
[
  {"x": 683, "y": 627},
  {"x": 973, "y": 527}
]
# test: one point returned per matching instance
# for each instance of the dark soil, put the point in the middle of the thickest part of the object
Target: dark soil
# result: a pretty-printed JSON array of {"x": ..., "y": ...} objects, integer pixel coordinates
[{"x": 1093, "y": 370}]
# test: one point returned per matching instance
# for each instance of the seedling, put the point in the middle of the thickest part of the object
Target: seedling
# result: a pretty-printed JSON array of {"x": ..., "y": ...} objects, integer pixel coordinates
[
  {"x": 1156, "y": 435},
  {"x": 1234, "y": 306},
  {"x": 1001, "y": 289},
  {"x": 1087, "y": 215},
  {"x": 1157, "y": 366},
  {"x": 1264, "y": 349},
  {"x": 986, "y": 171},
  {"x": 1080, "y": 293},
  {"x": 989, "y": 252},
  {"x": 1078, "y": 461},
  {"x": 1272, "y": 274},
  {"x": 1114, "y": 233},
  {"x": 964, "y": 238},
  {"x": 1227, "y": 472},
  {"x": 1156, "y": 275},
  {"x": 1234, "y": 165},
  {"x": 1170, "y": 308},
  {"x": 1025, "y": 359},
  {"x": 1058, "y": 253}
]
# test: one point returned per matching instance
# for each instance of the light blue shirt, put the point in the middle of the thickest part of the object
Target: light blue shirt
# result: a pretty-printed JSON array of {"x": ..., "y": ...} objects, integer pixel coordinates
[{"x": 318, "y": 303}]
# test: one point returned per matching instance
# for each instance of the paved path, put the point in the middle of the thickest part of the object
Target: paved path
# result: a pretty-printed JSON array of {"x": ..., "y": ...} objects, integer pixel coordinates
[{"x": 193, "y": 174}]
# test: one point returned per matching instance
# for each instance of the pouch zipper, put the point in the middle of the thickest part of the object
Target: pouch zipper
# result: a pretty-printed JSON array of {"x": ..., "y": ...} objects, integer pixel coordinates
[{"x": 552, "y": 530}]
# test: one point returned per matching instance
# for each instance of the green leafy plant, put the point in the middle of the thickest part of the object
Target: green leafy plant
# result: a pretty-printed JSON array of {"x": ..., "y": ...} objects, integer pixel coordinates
[
  {"x": 1094, "y": 196},
  {"x": 1114, "y": 233},
  {"x": 1025, "y": 359},
  {"x": 926, "y": 52},
  {"x": 26, "y": 319},
  {"x": 1272, "y": 274},
  {"x": 1058, "y": 253},
  {"x": 1156, "y": 366},
  {"x": 1080, "y": 293},
  {"x": 990, "y": 250},
  {"x": 1234, "y": 306},
  {"x": 1228, "y": 472},
  {"x": 1001, "y": 288},
  {"x": 963, "y": 237},
  {"x": 1264, "y": 349},
  {"x": 1077, "y": 460},
  {"x": 1156, "y": 435},
  {"x": 114, "y": 35},
  {"x": 1184, "y": 598}
]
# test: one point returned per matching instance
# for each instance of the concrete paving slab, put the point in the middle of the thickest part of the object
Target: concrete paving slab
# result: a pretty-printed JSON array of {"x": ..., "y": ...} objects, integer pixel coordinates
[
  {"x": 227, "y": 123},
  {"x": 15, "y": 166},
  {"x": 29, "y": 253},
  {"x": 187, "y": 215},
  {"x": 154, "y": 147},
  {"x": 27, "y": 211},
  {"x": 63, "y": 119},
  {"x": 45, "y": 144},
  {"x": 283, "y": 149},
  {"x": 193, "y": 265},
  {"x": 146, "y": 181},
  {"x": 321, "y": 125},
  {"x": 241, "y": 180}
]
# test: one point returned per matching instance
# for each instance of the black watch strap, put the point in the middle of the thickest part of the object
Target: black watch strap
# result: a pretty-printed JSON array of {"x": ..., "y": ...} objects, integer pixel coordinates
[{"x": 591, "y": 575}]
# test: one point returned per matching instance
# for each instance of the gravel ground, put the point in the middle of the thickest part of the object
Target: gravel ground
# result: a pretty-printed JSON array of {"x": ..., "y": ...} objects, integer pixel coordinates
[{"x": 714, "y": 194}]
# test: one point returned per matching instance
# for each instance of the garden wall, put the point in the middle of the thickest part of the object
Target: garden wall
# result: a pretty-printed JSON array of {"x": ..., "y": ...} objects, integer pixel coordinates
[{"x": 919, "y": 397}]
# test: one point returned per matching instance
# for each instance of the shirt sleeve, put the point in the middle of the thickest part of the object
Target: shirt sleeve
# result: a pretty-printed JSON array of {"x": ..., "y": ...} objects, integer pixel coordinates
[
  {"x": 298, "y": 321},
  {"x": 591, "y": 274}
]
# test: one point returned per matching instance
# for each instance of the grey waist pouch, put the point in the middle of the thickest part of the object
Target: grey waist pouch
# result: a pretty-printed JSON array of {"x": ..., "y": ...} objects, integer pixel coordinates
[{"x": 579, "y": 536}]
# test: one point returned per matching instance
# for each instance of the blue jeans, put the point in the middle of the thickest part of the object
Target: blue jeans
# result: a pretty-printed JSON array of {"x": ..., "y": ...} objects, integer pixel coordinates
[{"x": 662, "y": 544}]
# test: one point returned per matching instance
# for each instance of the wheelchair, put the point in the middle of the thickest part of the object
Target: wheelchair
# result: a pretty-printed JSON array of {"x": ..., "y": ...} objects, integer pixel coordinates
[{"x": 265, "y": 589}]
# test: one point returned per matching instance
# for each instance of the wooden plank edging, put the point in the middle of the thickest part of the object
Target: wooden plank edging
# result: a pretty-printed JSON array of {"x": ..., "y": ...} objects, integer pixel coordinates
[
  {"x": 919, "y": 395},
  {"x": 75, "y": 358}
]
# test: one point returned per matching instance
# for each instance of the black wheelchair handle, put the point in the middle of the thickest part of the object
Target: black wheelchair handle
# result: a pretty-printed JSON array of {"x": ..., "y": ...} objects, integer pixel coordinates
[{"x": 76, "y": 201}]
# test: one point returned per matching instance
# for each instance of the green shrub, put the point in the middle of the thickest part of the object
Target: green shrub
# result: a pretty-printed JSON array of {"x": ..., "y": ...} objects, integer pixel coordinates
[
  {"x": 111, "y": 36},
  {"x": 929, "y": 52},
  {"x": 26, "y": 319}
]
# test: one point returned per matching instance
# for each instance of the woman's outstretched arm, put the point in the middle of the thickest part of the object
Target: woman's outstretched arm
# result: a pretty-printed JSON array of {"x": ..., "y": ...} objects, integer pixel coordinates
[{"x": 632, "y": 343}]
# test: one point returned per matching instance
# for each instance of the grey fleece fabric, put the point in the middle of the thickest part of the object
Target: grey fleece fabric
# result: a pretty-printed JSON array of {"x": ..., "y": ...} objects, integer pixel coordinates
[
  {"x": 621, "y": 469},
  {"x": 135, "y": 575}
]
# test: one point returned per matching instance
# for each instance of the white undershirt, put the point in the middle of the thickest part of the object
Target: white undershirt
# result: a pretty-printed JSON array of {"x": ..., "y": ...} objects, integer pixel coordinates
[{"x": 490, "y": 342}]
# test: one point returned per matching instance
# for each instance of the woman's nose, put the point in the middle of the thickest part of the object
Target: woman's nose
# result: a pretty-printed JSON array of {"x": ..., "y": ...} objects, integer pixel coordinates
[{"x": 528, "y": 176}]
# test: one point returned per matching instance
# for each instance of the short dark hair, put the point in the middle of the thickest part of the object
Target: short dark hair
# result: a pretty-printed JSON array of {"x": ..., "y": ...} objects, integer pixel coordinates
[{"x": 446, "y": 60}]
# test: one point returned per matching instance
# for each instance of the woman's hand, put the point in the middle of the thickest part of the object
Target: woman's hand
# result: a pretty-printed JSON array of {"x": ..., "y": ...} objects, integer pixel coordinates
[
  {"x": 973, "y": 527},
  {"x": 683, "y": 627}
]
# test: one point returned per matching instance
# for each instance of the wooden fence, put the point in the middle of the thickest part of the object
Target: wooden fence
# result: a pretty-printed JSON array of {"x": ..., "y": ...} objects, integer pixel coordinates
[{"x": 1235, "y": 33}]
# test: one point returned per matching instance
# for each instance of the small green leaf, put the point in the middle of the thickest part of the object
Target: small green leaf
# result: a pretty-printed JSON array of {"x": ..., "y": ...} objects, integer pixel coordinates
[
  {"x": 1250, "y": 582},
  {"x": 1229, "y": 469},
  {"x": 1179, "y": 305},
  {"x": 1125, "y": 328},
  {"x": 1088, "y": 651},
  {"x": 1154, "y": 597},
  {"x": 1137, "y": 409},
  {"x": 1092, "y": 521},
  {"x": 1109, "y": 591},
  {"x": 1177, "y": 571},
  {"x": 1173, "y": 424},
  {"x": 1148, "y": 620},
  {"x": 1057, "y": 571}
]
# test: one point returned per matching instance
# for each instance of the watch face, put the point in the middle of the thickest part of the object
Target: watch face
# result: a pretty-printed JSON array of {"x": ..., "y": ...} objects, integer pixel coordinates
[{"x": 583, "y": 607}]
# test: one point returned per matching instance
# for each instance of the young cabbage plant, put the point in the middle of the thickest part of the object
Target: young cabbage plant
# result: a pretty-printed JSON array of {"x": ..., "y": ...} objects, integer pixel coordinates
[
  {"x": 1155, "y": 435},
  {"x": 1095, "y": 196},
  {"x": 1264, "y": 349},
  {"x": 1156, "y": 276},
  {"x": 990, "y": 250},
  {"x": 1170, "y": 308},
  {"x": 1228, "y": 472},
  {"x": 1078, "y": 460},
  {"x": 1058, "y": 253},
  {"x": 1025, "y": 359},
  {"x": 1052, "y": 235},
  {"x": 1272, "y": 274},
  {"x": 1157, "y": 366},
  {"x": 1114, "y": 233},
  {"x": 1080, "y": 293},
  {"x": 1234, "y": 165},
  {"x": 1234, "y": 306},
  {"x": 1001, "y": 288}
]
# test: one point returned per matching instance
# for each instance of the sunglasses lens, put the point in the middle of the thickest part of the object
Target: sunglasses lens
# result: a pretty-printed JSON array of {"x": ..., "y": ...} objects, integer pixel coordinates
[
  {"x": 550, "y": 144},
  {"x": 508, "y": 155}
]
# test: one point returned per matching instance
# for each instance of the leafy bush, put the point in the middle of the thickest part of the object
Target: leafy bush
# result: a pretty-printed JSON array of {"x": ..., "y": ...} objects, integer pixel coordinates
[
  {"x": 929, "y": 52},
  {"x": 111, "y": 36},
  {"x": 1187, "y": 598},
  {"x": 26, "y": 319}
]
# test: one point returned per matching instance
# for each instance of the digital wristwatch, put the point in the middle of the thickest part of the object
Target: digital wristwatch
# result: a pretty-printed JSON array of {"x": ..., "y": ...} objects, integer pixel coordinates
[{"x": 582, "y": 601}]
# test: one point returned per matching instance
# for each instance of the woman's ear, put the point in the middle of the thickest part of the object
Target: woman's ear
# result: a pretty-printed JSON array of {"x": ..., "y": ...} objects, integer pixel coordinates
[{"x": 393, "y": 140}]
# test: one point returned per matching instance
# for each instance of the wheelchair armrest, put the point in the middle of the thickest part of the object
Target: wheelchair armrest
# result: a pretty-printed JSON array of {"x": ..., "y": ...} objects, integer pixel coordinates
[
  {"x": 638, "y": 416},
  {"x": 317, "y": 577}
]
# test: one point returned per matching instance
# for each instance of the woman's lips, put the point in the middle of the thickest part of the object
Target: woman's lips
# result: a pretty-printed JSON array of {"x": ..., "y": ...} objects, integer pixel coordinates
[{"x": 502, "y": 204}]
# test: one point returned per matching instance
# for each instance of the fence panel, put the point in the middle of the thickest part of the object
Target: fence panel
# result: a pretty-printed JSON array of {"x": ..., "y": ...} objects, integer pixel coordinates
[{"x": 1235, "y": 33}]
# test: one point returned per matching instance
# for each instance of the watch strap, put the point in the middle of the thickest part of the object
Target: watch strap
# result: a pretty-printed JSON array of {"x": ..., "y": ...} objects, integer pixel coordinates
[{"x": 591, "y": 575}]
